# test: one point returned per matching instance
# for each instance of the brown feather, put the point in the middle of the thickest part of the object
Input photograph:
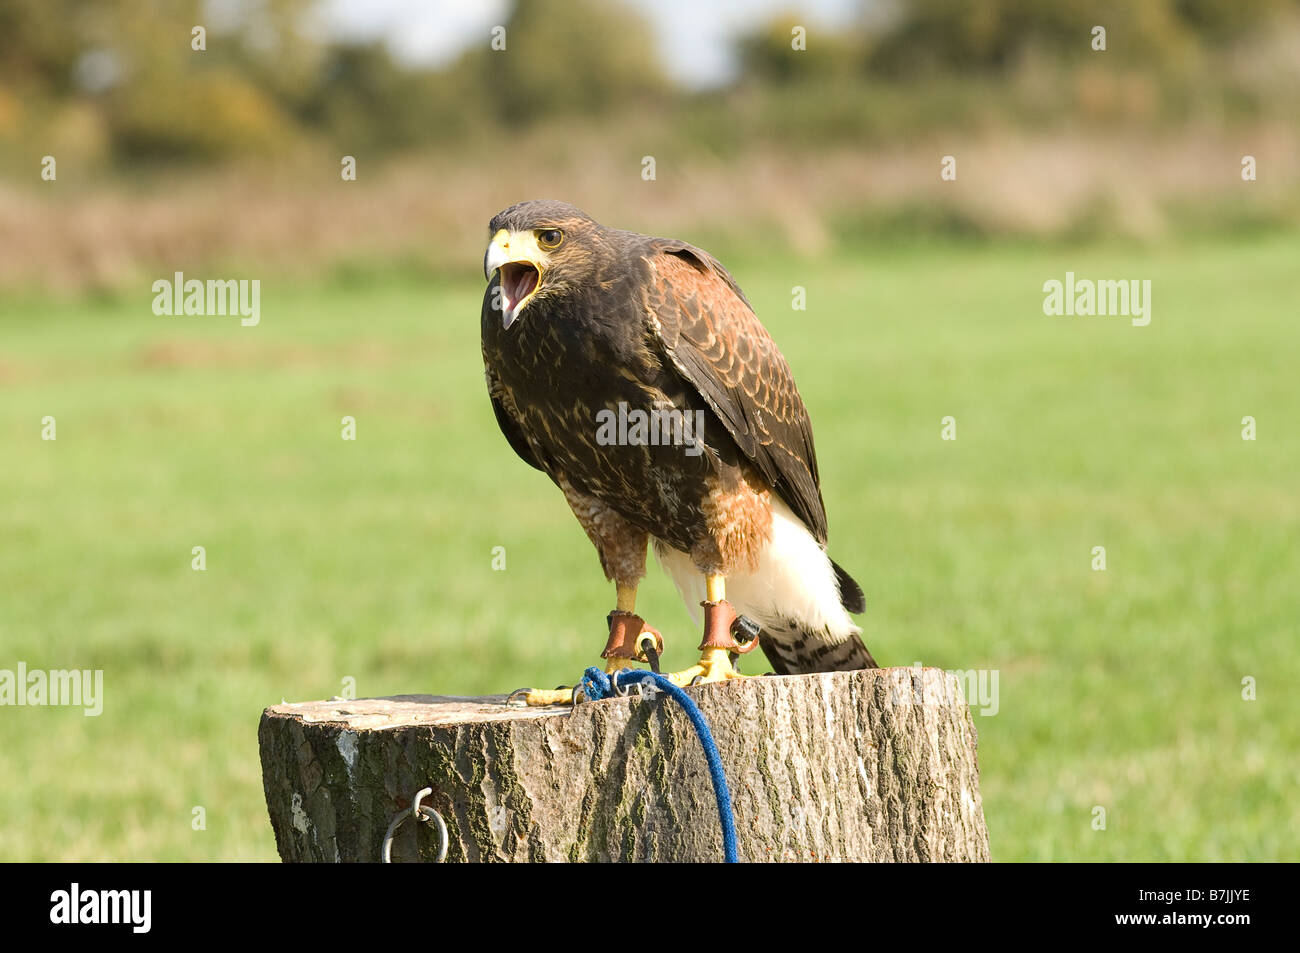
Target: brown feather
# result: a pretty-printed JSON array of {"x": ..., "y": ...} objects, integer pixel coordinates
[{"x": 712, "y": 336}]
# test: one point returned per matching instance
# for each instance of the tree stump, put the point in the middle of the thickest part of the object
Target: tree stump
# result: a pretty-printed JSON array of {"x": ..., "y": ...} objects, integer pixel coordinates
[{"x": 876, "y": 765}]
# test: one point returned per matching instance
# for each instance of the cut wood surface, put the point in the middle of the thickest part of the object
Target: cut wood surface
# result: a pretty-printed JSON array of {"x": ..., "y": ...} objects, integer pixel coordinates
[{"x": 876, "y": 765}]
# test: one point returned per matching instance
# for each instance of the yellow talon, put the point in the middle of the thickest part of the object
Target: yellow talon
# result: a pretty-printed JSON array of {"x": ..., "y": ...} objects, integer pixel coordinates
[
  {"x": 715, "y": 663},
  {"x": 540, "y": 698},
  {"x": 647, "y": 644},
  {"x": 714, "y": 666}
]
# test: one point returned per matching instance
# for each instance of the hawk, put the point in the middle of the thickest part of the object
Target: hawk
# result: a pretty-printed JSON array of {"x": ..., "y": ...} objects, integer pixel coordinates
[{"x": 634, "y": 373}]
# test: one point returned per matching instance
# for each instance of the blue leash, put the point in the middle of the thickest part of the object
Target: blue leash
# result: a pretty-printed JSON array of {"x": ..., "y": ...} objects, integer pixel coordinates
[{"x": 596, "y": 685}]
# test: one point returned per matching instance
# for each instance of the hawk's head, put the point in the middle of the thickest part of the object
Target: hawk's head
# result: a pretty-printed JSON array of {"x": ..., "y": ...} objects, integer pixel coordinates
[{"x": 540, "y": 249}]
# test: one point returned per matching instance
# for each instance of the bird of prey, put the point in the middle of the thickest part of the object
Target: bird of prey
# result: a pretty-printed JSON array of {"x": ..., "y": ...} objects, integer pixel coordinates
[{"x": 634, "y": 373}]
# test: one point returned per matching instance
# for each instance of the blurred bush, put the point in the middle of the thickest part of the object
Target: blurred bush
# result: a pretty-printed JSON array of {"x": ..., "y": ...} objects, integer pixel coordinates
[
  {"x": 841, "y": 136},
  {"x": 117, "y": 79}
]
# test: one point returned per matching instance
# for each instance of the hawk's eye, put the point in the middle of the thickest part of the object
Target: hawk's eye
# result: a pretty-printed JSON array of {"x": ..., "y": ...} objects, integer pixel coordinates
[{"x": 550, "y": 238}]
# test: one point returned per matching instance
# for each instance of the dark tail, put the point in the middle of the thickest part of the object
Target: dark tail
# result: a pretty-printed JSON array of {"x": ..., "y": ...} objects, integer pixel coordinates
[
  {"x": 796, "y": 652},
  {"x": 802, "y": 654},
  {"x": 851, "y": 595}
]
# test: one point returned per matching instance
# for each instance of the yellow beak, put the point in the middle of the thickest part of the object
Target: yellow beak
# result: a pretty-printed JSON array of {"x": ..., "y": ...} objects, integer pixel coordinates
[{"x": 521, "y": 264}]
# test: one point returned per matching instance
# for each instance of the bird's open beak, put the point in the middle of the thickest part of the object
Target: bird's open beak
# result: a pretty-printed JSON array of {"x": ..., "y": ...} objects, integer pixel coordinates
[{"x": 521, "y": 264}]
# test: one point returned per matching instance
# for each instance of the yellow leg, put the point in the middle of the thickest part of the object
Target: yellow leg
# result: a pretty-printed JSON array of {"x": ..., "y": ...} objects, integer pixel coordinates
[
  {"x": 715, "y": 587},
  {"x": 625, "y": 601},
  {"x": 714, "y": 664}
]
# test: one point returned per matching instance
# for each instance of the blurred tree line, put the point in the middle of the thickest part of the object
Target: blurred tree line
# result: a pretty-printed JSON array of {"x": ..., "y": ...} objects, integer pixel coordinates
[
  {"x": 120, "y": 80},
  {"x": 994, "y": 36}
]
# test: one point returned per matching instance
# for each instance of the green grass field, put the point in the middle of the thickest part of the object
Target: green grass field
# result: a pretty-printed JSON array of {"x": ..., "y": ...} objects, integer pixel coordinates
[{"x": 372, "y": 560}]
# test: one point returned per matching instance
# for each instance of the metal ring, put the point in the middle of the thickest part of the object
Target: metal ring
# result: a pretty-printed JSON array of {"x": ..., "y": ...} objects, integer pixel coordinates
[{"x": 422, "y": 813}]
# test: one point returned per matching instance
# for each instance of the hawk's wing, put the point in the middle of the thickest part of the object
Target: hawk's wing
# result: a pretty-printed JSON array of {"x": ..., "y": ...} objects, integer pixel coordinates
[
  {"x": 714, "y": 340},
  {"x": 509, "y": 426}
]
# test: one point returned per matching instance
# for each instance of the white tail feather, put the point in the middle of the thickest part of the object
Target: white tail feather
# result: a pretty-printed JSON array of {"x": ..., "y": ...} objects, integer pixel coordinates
[{"x": 793, "y": 589}]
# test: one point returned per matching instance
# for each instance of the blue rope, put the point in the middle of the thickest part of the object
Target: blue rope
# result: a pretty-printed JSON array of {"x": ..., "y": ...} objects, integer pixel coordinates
[{"x": 596, "y": 685}]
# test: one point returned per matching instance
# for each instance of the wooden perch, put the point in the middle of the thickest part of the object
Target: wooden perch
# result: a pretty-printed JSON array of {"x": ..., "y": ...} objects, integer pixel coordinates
[{"x": 876, "y": 765}]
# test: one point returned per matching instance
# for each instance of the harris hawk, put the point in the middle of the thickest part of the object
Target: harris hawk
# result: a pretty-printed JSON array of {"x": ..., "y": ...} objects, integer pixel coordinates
[{"x": 582, "y": 323}]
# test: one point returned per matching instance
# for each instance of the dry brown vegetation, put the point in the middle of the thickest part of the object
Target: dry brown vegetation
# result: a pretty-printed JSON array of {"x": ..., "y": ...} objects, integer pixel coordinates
[{"x": 428, "y": 212}]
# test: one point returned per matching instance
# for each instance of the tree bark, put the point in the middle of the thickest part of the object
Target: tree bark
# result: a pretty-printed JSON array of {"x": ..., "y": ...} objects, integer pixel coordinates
[{"x": 876, "y": 765}]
